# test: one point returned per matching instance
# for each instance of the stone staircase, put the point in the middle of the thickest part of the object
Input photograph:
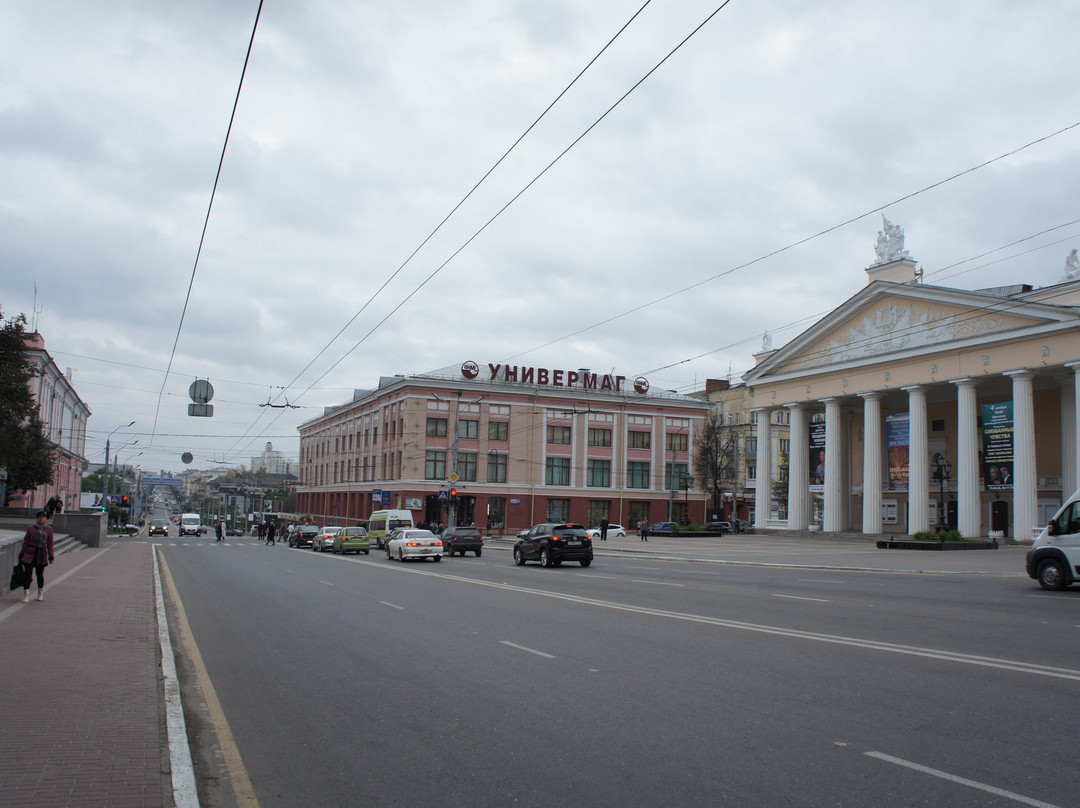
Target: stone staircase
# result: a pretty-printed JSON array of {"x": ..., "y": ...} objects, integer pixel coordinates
[{"x": 65, "y": 543}]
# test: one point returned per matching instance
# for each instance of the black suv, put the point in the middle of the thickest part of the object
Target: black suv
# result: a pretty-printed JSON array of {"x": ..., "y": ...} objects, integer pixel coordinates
[
  {"x": 462, "y": 539},
  {"x": 304, "y": 536},
  {"x": 552, "y": 543}
]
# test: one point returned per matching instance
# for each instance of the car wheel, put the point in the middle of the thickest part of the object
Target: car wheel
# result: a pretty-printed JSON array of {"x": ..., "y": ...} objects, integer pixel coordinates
[
  {"x": 365, "y": 552},
  {"x": 586, "y": 562},
  {"x": 477, "y": 554},
  {"x": 519, "y": 559},
  {"x": 401, "y": 555},
  {"x": 1052, "y": 574},
  {"x": 545, "y": 558},
  {"x": 437, "y": 558}
]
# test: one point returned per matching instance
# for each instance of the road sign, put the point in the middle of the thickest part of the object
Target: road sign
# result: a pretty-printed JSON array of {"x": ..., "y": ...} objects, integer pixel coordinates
[
  {"x": 454, "y": 477},
  {"x": 443, "y": 495}
]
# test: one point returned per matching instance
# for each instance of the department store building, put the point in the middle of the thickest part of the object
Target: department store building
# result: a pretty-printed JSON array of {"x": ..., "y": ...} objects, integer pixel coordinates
[
  {"x": 519, "y": 445},
  {"x": 912, "y": 407}
]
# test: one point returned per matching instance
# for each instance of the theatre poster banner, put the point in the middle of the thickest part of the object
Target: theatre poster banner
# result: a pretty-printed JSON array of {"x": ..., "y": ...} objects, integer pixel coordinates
[
  {"x": 997, "y": 429},
  {"x": 817, "y": 456},
  {"x": 897, "y": 431}
]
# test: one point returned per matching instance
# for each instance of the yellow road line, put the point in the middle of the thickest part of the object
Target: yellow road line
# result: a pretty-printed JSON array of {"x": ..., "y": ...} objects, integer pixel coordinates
[{"x": 238, "y": 776}]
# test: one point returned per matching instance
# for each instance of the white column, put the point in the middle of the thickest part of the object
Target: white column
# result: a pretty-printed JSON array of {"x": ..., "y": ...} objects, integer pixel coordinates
[
  {"x": 1068, "y": 439},
  {"x": 1070, "y": 434},
  {"x": 833, "y": 520},
  {"x": 871, "y": 475},
  {"x": 763, "y": 484},
  {"x": 1024, "y": 482},
  {"x": 968, "y": 520},
  {"x": 918, "y": 461},
  {"x": 798, "y": 470}
]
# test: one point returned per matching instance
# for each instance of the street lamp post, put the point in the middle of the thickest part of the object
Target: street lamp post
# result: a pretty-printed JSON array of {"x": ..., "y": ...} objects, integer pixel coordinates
[
  {"x": 942, "y": 468},
  {"x": 105, "y": 478}
]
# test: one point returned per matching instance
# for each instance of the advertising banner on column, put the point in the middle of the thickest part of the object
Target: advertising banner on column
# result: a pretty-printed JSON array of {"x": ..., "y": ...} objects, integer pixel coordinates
[
  {"x": 897, "y": 430},
  {"x": 817, "y": 456},
  {"x": 997, "y": 429}
]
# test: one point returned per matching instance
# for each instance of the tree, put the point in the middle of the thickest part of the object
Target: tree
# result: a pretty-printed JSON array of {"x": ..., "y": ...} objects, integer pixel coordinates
[
  {"x": 715, "y": 456},
  {"x": 780, "y": 484},
  {"x": 25, "y": 452}
]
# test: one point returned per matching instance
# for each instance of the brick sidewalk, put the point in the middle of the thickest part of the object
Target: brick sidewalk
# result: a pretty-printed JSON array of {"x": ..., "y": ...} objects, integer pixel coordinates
[{"x": 81, "y": 693}]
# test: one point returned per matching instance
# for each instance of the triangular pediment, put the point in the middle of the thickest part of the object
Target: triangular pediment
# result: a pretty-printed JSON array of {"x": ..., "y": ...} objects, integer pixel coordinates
[{"x": 886, "y": 320}]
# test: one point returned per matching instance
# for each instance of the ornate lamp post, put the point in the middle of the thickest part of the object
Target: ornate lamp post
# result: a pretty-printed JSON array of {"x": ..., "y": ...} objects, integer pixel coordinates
[
  {"x": 105, "y": 479},
  {"x": 941, "y": 468}
]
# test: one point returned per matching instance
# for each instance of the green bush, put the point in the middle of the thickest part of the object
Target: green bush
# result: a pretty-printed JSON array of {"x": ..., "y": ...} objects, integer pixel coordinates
[{"x": 930, "y": 535}]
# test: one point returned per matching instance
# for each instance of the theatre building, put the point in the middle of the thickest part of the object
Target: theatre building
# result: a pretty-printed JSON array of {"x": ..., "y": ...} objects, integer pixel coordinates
[
  {"x": 913, "y": 407},
  {"x": 518, "y": 445}
]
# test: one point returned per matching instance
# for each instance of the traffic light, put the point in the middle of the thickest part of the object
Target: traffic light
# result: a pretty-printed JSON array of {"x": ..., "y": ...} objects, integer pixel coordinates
[
  {"x": 453, "y": 493},
  {"x": 124, "y": 501}
]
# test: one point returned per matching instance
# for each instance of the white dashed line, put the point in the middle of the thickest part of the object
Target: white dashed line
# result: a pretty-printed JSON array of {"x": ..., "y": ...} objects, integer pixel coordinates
[{"x": 530, "y": 650}]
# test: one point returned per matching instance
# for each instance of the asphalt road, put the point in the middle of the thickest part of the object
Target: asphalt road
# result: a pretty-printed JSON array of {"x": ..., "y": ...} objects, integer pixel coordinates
[{"x": 361, "y": 681}]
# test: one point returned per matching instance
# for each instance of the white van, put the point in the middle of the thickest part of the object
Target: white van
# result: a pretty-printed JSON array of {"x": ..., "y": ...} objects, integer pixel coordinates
[
  {"x": 380, "y": 523},
  {"x": 1054, "y": 558},
  {"x": 190, "y": 524}
]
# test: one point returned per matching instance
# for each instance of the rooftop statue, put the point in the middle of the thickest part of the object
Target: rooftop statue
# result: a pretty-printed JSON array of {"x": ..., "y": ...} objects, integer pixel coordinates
[
  {"x": 890, "y": 243},
  {"x": 1072, "y": 266}
]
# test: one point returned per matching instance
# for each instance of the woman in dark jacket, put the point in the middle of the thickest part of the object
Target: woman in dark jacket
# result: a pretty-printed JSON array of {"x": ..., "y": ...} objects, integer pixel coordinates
[{"x": 36, "y": 554}]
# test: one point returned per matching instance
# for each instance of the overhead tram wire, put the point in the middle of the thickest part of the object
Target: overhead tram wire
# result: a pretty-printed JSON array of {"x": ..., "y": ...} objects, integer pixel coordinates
[
  {"x": 513, "y": 199},
  {"x": 446, "y": 218},
  {"x": 800, "y": 242},
  {"x": 206, "y": 224}
]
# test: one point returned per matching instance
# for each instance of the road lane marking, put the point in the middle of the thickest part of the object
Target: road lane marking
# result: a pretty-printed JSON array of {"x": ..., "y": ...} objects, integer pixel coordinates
[
  {"x": 657, "y": 583},
  {"x": 818, "y": 581},
  {"x": 326, "y": 582},
  {"x": 243, "y": 791},
  {"x": 800, "y": 597},
  {"x": 1016, "y": 666},
  {"x": 952, "y": 778},
  {"x": 530, "y": 650},
  {"x": 600, "y": 577},
  {"x": 391, "y": 605}
]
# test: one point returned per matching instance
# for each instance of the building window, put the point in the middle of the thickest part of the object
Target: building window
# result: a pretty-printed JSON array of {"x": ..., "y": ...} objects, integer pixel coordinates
[
  {"x": 599, "y": 437},
  {"x": 496, "y": 472},
  {"x": 496, "y": 512},
  {"x": 498, "y": 430},
  {"x": 558, "y": 434},
  {"x": 751, "y": 448},
  {"x": 673, "y": 477},
  {"x": 435, "y": 466},
  {"x": 375, "y": 435},
  {"x": 751, "y": 472},
  {"x": 558, "y": 510},
  {"x": 599, "y": 474},
  {"x": 676, "y": 441},
  {"x": 785, "y": 445},
  {"x": 639, "y": 440},
  {"x": 468, "y": 429},
  {"x": 466, "y": 466},
  {"x": 558, "y": 471},
  {"x": 637, "y": 475},
  {"x": 937, "y": 425},
  {"x": 639, "y": 514},
  {"x": 436, "y": 427},
  {"x": 599, "y": 509}
]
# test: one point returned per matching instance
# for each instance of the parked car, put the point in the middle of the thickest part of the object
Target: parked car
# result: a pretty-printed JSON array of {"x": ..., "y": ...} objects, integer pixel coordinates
[
  {"x": 742, "y": 526},
  {"x": 613, "y": 531},
  {"x": 552, "y": 543},
  {"x": 723, "y": 528},
  {"x": 324, "y": 539},
  {"x": 159, "y": 526},
  {"x": 131, "y": 529},
  {"x": 351, "y": 540},
  {"x": 234, "y": 531},
  {"x": 664, "y": 527},
  {"x": 406, "y": 543},
  {"x": 304, "y": 536},
  {"x": 461, "y": 540}
]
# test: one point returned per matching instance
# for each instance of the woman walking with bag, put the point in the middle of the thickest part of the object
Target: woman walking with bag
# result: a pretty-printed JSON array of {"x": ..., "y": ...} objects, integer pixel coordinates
[{"x": 36, "y": 554}]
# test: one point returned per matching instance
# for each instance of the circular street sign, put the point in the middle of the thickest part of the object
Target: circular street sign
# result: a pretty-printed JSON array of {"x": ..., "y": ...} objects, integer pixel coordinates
[
  {"x": 187, "y": 457},
  {"x": 201, "y": 391}
]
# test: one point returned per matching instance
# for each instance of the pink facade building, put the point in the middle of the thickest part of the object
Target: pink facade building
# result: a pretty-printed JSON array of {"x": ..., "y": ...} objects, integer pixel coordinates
[
  {"x": 525, "y": 445},
  {"x": 64, "y": 415}
]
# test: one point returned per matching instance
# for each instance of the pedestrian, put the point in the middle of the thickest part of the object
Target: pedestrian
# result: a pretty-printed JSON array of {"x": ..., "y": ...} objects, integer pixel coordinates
[
  {"x": 603, "y": 529},
  {"x": 36, "y": 554},
  {"x": 53, "y": 506},
  {"x": 644, "y": 531},
  {"x": 270, "y": 530},
  {"x": 219, "y": 529}
]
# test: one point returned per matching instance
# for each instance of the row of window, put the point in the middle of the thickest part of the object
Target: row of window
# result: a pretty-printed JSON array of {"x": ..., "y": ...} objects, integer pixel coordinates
[{"x": 556, "y": 472}]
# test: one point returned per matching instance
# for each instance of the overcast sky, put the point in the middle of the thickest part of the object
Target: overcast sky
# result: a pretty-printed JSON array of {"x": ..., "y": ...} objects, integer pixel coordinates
[{"x": 362, "y": 124}]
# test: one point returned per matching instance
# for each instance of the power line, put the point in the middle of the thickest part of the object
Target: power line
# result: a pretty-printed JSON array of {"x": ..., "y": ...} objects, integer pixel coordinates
[{"x": 206, "y": 223}]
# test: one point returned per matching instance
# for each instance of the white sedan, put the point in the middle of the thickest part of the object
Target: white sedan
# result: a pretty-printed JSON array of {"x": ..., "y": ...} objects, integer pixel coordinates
[
  {"x": 324, "y": 539},
  {"x": 414, "y": 543},
  {"x": 613, "y": 531}
]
